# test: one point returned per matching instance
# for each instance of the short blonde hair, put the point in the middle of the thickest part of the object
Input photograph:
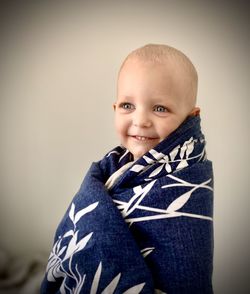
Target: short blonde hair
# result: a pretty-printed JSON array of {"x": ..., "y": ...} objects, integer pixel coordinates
[{"x": 159, "y": 53}]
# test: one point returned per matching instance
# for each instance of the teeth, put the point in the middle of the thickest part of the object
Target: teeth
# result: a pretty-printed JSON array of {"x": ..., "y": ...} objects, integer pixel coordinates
[{"x": 141, "y": 138}]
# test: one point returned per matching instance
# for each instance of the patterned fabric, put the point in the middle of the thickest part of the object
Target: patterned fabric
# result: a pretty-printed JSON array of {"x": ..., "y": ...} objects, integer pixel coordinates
[{"x": 150, "y": 232}]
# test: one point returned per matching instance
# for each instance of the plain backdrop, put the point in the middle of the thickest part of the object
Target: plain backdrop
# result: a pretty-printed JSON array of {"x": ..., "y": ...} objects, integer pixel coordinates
[{"x": 58, "y": 69}]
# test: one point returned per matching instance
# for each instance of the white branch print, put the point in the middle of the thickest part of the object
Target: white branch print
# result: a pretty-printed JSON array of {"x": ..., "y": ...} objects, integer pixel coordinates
[
  {"x": 171, "y": 211},
  {"x": 140, "y": 193}
]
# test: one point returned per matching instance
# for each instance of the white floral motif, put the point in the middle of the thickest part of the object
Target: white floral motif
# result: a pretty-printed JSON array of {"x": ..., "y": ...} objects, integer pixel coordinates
[
  {"x": 183, "y": 151},
  {"x": 110, "y": 289},
  {"x": 178, "y": 157},
  {"x": 55, "y": 267},
  {"x": 170, "y": 211}
]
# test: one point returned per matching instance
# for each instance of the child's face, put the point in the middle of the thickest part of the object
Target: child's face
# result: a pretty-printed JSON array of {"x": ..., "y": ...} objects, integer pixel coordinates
[{"x": 149, "y": 105}]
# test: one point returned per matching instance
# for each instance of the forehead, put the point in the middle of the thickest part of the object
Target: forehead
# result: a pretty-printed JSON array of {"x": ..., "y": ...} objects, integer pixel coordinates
[
  {"x": 136, "y": 69},
  {"x": 168, "y": 69},
  {"x": 157, "y": 82},
  {"x": 138, "y": 74}
]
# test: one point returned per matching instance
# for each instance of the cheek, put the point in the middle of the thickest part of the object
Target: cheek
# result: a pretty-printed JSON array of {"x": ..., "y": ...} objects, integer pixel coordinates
[
  {"x": 167, "y": 128},
  {"x": 120, "y": 125},
  {"x": 163, "y": 133}
]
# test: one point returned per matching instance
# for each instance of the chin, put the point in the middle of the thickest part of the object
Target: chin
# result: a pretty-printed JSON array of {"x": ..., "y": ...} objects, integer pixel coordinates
[{"x": 137, "y": 155}]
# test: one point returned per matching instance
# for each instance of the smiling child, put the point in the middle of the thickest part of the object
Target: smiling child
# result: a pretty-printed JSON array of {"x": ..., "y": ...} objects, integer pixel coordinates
[{"x": 142, "y": 220}]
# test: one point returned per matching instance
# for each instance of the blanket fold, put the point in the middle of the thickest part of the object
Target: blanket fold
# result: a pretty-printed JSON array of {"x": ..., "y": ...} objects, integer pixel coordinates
[{"x": 149, "y": 229}]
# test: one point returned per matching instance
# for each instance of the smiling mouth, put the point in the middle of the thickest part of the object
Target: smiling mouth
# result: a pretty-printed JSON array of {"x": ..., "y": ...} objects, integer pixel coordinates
[{"x": 142, "y": 138}]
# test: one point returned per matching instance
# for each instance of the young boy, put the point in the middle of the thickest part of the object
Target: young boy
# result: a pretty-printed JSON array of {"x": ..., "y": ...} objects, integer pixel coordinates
[
  {"x": 157, "y": 89},
  {"x": 142, "y": 219}
]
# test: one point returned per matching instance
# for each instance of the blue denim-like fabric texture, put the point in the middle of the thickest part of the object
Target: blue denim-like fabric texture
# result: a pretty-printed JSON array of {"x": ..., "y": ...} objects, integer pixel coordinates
[{"x": 152, "y": 232}]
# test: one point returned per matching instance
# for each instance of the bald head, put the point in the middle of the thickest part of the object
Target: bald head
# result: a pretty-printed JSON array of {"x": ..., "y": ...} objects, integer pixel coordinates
[{"x": 177, "y": 64}]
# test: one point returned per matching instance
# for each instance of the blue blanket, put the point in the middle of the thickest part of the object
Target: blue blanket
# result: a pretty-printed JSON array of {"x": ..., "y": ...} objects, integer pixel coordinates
[{"x": 148, "y": 229}]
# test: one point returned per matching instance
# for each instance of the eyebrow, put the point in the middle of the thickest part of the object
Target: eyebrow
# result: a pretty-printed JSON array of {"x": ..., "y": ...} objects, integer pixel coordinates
[
  {"x": 125, "y": 97},
  {"x": 156, "y": 100},
  {"x": 161, "y": 99}
]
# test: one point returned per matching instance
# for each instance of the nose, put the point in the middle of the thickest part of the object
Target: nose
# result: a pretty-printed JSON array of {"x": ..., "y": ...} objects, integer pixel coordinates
[{"x": 141, "y": 119}]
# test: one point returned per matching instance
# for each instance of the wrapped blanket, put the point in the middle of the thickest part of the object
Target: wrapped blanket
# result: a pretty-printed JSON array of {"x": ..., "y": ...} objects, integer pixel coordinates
[{"x": 140, "y": 227}]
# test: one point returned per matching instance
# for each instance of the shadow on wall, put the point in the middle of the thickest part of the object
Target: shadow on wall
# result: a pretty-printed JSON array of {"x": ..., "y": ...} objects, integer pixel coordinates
[{"x": 21, "y": 275}]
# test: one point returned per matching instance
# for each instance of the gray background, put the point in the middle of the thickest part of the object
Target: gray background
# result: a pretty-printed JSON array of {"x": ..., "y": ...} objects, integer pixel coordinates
[{"x": 58, "y": 67}]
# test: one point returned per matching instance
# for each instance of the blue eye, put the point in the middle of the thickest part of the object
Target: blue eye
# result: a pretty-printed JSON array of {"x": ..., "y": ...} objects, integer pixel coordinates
[
  {"x": 159, "y": 108},
  {"x": 126, "y": 106}
]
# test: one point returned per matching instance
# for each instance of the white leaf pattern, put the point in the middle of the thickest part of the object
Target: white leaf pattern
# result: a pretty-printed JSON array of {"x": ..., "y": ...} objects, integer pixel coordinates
[
  {"x": 182, "y": 164},
  {"x": 148, "y": 160},
  {"x": 179, "y": 202},
  {"x": 135, "y": 290},
  {"x": 156, "y": 171},
  {"x": 190, "y": 148},
  {"x": 182, "y": 151},
  {"x": 79, "y": 283},
  {"x": 137, "y": 168},
  {"x": 137, "y": 189},
  {"x": 171, "y": 211},
  {"x": 177, "y": 159},
  {"x": 69, "y": 233},
  {"x": 157, "y": 155},
  {"x": 62, "y": 289},
  {"x": 110, "y": 289},
  {"x": 137, "y": 198},
  {"x": 62, "y": 250},
  {"x": 96, "y": 280},
  {"x": 174, "y": 152},
  {"x": 82, "y": 243},
  {"x": 85, "y": 210},
  {"x": 168, "y": 168},
  {"x": 146, "y": 251},
  {"x": 157, "y": 291},
  {"x": 71, "y": 246},
  {"x": 72, "y": 212}
]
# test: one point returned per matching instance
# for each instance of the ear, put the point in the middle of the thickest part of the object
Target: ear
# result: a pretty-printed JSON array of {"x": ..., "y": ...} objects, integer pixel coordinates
[
  {"x": 195, "y": 112},
  {"x": 114, "y": 106}
]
